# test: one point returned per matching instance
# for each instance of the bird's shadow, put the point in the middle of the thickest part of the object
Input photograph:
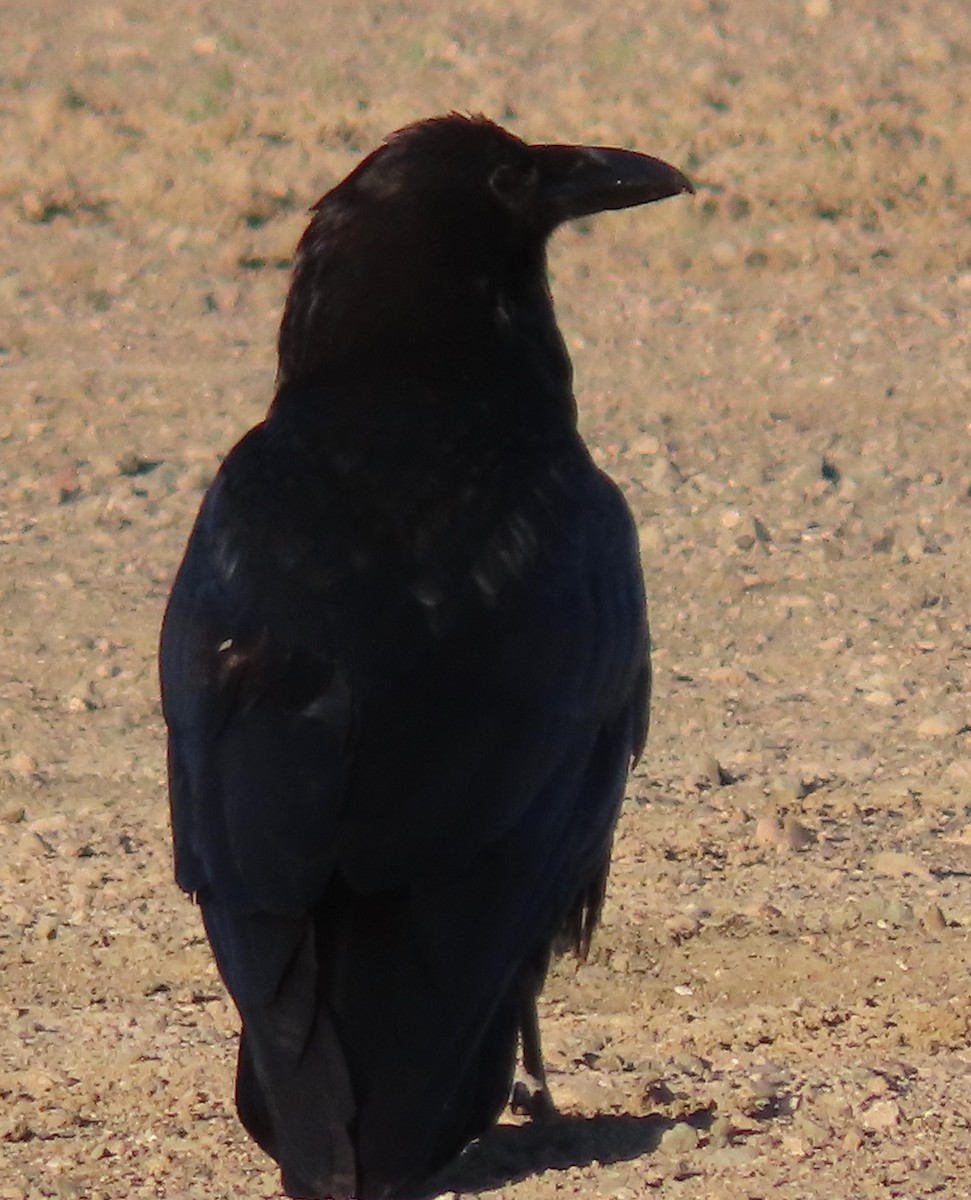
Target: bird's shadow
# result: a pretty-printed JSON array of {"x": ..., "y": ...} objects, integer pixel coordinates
[{"x": 509, "y": 1153}]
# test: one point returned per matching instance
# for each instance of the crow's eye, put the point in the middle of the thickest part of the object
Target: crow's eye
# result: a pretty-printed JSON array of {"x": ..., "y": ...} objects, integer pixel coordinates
[{"x": 512, "y": 185}]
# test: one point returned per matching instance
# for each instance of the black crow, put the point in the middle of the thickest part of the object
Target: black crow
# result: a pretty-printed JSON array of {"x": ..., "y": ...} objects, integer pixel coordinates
[{"x": 405, "y": 663}]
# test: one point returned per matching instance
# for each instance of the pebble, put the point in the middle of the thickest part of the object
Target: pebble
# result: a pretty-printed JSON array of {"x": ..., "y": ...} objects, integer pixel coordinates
[
  {"x": 815, "y": 1132},
  {"x": 958, "y": 771},
  {"x": 706, "y": 772},
  {"x": 766, "y": 1088},
  {"x": 64, "y": 485},
  {"x": 691, "y": 1064},
  {"x": 196, "y": 479},
  {"x": 876, "y": 909},
  {"x": 22, "y": 764},
  {"x": 651, "y": 539},
  {"x": 852, "y": 1140},
  {"x": 45, "y": 928},
  {"x": 84, "y": 697},
  {"x": 895, "y": 865},
  {"x": 646, "y": 444},
  {"x": 932, "y": 919},
  {"x": 940, "y": 725},
  {"x": 15, "y": 1129},
  {"x": 789, "y": 787},
  {"x": 768, "y": 831},
  {"x": 795, "y": 1145},
  {"x": 681, "y": 1138},
  {"x": 728, "y": 1158},
  {"x": 880, "y": 1115},
  {"x": 680, "y": 928},
  {"x": 724, "y": 253},
  {"x": 720, "y": 1133},
  {"x": 788, "y": 835},
  {"x": 797, "y": 836}
]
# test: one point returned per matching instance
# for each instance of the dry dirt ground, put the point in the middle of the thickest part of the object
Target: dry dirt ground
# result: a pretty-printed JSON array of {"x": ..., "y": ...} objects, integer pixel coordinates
[{"x": 777, "y": 372}]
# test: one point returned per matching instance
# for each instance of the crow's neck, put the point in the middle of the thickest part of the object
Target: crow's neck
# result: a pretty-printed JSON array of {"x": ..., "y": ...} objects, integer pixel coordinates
[{"x": 486, "y": 362}]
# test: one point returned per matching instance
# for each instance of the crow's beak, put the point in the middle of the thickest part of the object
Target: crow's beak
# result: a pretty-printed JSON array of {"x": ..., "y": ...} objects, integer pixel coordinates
[{"x": 580, "y": 180}]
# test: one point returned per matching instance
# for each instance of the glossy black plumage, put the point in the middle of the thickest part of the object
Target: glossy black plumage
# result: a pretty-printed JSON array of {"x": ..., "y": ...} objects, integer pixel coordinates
[{"x": 405, "y": 662}]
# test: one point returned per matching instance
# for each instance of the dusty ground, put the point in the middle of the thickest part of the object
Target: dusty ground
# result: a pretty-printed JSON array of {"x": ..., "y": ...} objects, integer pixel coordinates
[{"x": 778, "y": 372}]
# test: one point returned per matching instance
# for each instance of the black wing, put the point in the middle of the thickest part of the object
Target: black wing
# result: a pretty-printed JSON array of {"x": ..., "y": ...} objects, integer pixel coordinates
[{"x": 389, "y": 798}]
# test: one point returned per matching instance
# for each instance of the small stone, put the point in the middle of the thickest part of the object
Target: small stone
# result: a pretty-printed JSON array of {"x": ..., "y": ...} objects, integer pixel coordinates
[
  {"x": 797, "y": 836},
  {"x": 852, "y": 1140},
  {"x": 791, "y": 603},
  {"x": 34, "y": 206},
  {"x": 940, "y": 725},
  {"x": 765, "y": 1088},
  {"x": 196, "y": 479},
  {"x": 16, "y": 1129},
  {"x": 720, "y": 1133},
  {"x": 899, "y": 914},
  {"x": 651, "y": 540},
  {"x": 769, "y": 832},
  {"x": 818, "y": 10},
  {"x": 895, "y": 865},
  {"x": 691, "y": 1064},
  {"x": 815, "y": 1132},
  {"x": 84, "y": 697},
  {"x": 882, "y": 1114},
  {"x": 932, "y": 919},
  {"x": 647, "y": 444},
  {"x": 22, "y": 764},
  {"x": 45, "y": 928},
  {"x": 729, "y": 677},
  {"x": 706, "y": 773},
  {"x": 724, "y": 254},
  {"x": 64, "y": 485},
  {"x": 930, "y": 1179},
  {"x": 130, "y": 463},
  {"x": 788, "y": 787},
  {"x": 832, "y": 645},
  {"x": 679, "y": 1139},
  {"x": 658, "y": 1093},
  {"x": 958, "y": 771},
  {"x": 680, "y": 928}
]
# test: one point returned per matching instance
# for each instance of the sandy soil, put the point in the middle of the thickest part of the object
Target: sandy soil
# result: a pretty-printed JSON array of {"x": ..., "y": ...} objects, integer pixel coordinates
[{"x": 778, "y": 373}]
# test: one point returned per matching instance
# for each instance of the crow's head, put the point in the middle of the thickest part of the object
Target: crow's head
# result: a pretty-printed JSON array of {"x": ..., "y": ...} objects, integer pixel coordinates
[{"x": 440, "y": 228}]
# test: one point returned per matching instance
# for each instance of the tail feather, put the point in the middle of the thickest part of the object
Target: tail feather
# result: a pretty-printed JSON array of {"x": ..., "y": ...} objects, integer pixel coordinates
[
  {"x": 292, "y": 1109},
  {"x": 293, "y": 1088}
]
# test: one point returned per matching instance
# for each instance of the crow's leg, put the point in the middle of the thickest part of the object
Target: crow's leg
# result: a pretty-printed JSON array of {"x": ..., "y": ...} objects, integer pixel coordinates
[{"x": 530, "y": 1095}]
